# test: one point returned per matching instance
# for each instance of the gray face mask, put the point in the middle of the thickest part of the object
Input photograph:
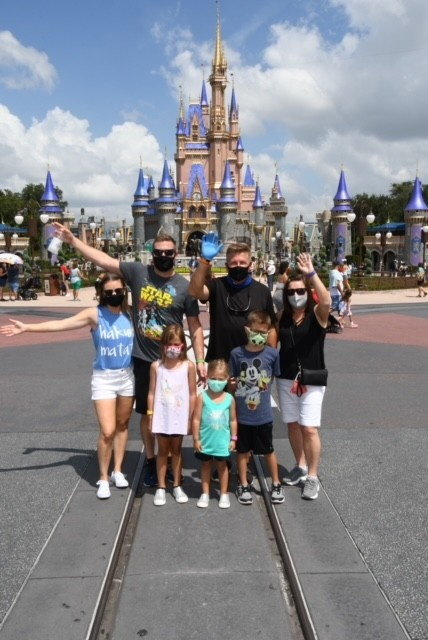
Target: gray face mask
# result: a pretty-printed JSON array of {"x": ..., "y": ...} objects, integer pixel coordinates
[{"x": 298, "y": 301}]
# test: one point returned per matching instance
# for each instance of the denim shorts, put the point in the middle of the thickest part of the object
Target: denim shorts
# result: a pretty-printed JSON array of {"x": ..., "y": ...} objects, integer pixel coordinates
[{"x": 110, "y": 383}]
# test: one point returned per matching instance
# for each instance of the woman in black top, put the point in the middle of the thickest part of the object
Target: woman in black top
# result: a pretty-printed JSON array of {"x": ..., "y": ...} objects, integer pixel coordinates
[{"x": 301, "y": 333}]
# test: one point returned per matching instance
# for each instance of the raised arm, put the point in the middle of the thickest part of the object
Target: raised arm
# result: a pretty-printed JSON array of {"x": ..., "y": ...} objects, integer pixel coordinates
[
  {"x": 96, "y": 256},
  {"x": 85, "y": 318},
  {"x": 322, "y": 309},
  {"x": 198, "y": 281}
]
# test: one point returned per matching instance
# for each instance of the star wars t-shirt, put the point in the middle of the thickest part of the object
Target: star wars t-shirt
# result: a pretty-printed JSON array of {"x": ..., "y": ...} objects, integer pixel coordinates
[
  {"x": 254, "y": 371},
  {"x": 156, "y": 303}
]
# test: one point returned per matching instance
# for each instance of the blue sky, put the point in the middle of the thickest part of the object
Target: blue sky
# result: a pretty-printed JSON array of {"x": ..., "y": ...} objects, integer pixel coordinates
[{"x": 90, "y": 86}]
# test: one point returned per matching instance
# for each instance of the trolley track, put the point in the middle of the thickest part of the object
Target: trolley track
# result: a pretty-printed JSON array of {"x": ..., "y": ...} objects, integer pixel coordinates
[{"x": 103, "y": 621}]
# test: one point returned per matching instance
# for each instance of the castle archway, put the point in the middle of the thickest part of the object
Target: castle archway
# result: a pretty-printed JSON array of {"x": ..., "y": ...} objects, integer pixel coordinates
[{"x": 193, "y": 243}]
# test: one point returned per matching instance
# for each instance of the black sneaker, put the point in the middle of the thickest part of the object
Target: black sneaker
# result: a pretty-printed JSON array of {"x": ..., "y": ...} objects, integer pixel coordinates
[
  {"x": 295, "y": 476},
  {"x": 244, "y": 494},
  {"x": 150, "y": 476},
  {"x": 277, "y": 494}
]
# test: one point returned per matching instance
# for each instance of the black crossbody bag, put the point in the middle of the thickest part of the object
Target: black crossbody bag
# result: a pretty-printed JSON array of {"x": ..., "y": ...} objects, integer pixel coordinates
[{"x": 316, "y": 377}]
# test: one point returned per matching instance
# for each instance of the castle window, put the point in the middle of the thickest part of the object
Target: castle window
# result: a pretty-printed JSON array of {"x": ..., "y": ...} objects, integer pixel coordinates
[
  {"x": 202, "y": 212},
  {"x": 192, "y": 212}
]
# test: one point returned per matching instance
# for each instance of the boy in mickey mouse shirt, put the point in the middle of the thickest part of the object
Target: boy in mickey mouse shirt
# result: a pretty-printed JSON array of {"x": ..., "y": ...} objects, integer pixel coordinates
[{"x": 252, "y": 368}]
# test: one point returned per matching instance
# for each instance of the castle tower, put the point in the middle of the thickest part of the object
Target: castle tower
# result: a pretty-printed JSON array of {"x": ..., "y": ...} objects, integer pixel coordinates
[
  {"x": 341, "y": 241},
  {"x": 139, "y": 210},
  {"x": 227, "y": 206},
  {"x": 166, "y": 204},
  {"x": 278, "y": 208},
  {"x": 259, "y": 216},
  {"x": 415, "y": 215},
  {"x": 50, "y": 205}
]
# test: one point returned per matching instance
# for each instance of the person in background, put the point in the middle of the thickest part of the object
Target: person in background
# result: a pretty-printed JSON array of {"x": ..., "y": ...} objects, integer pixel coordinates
[
  {"x": 345, "y": 309},
  {"x": 335, "y": 286},
  {"x": 3, "y": 280},
  {"x": 13, "y": 281},
  {"x": 112, "y": 377},
  {"x": 283, "y": 272},
  {"x": 270, "y": 271},
  {"x": 76, "y": 278},
  {"x": 420, "y": 280}
]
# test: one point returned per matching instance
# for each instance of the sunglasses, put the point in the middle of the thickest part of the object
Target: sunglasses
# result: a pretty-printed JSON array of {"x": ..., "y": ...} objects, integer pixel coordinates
[
  {"x": 169, "y": 253},
  {"x": 292, "y": 292},
  {"x": 111, "y": 292}
]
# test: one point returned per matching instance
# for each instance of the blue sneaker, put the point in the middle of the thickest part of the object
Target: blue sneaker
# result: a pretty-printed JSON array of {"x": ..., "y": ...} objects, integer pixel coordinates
[{"x": 150, "y": 477}]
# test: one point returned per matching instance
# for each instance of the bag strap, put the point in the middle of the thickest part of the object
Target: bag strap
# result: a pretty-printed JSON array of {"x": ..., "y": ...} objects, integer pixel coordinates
[{"x": 295, "y": 350}]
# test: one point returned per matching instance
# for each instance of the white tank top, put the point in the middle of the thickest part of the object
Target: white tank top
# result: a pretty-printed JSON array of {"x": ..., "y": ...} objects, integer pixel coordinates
[{"x": 171, "y": 403}]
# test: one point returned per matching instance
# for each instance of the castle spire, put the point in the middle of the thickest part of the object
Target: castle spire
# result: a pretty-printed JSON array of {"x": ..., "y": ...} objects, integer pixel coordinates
[
  {"x": 417, "y": 201},
  {"x": 219, "y": 57},
  {"x": 258, "y": 202},
  {"x": 342, "y": 199},
  {"x": 49, "y": 201},
  {"x": 204, "y": 99}
]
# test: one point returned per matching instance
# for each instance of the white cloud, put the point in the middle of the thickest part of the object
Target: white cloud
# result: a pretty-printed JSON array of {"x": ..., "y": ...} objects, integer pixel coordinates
[
  {"x": 92, "y": 172},
  {"x": 23, "y": 67}
]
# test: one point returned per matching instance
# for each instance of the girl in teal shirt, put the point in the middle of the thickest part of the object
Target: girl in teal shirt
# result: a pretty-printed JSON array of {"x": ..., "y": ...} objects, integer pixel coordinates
[{"x": 215, "y": 431}]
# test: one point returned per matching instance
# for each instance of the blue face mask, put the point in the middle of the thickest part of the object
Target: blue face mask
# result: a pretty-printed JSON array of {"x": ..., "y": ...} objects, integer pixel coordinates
[{"x": 216, "y": 385}]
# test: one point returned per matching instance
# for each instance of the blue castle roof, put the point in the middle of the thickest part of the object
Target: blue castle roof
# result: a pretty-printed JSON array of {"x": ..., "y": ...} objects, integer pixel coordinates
[
  {"x": 227, "y": 178},
  {"x": 258, "y": 202},
  {"x": 50, "y": 201},
  {"x": 233, "y": 103},
  {"x": 166, "y": 182},
  {"x": 195, "y": 109},
  {"x": 417, "y": 202},
  {"x": 249, "y": 179},
  {"x": 277, "y": 186},
  {"x": 204, "y": 99},
  {"x": 141, "y": 185},
  {"x": 342, "y": 199},
  {"x": 239, "y": 145}
]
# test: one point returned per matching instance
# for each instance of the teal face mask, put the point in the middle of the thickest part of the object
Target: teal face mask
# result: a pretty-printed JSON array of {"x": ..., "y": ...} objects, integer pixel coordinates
[
  {"x": 258, "y": 338},
  {"x": 216, "y": 385}
]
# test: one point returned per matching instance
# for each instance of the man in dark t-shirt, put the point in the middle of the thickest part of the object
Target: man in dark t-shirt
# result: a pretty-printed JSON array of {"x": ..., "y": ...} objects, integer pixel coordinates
[{"x": 231, "y": 297}]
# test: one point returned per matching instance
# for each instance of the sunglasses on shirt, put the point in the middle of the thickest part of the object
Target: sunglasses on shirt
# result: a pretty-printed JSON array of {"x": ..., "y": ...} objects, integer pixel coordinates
[
  {"x": 169, "y": 253},
  {"x": 112, "y": 292},
  {"x": 292, "y": 292}
]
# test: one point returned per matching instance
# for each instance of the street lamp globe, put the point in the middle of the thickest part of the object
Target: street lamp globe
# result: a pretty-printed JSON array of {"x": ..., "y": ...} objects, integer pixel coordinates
[
  {"x": 370, "y": 217},
  {"x": 117, "y": 235},
  {"x": 44, "y": 218},
  {"x": 378, "y": 235},
  {"x": 19, "y": 218},
  {"x": 92, "y": 226},
  {"x": 351, "y": 217},
  {"x": 15, "y": 236},
  {"x": 1, "y": 236},
  {"x": 425, "y": 228},
  {"x": 389, "y": 235},
  {"x": 278, "y": 234},
  {"x": 301, "y": 225}
]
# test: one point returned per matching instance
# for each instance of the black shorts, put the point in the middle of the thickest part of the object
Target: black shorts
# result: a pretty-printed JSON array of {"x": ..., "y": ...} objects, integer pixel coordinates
[
  {"x": 257, "y": 439},
  {"x": 142, "y": 382},
  {"x": 206, "y": 458}
]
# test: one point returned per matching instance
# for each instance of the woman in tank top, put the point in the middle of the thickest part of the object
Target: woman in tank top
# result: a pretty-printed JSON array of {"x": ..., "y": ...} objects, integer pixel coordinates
[
  {"x": 301, "y": 333},
  {"x": 112, "y": 377}
]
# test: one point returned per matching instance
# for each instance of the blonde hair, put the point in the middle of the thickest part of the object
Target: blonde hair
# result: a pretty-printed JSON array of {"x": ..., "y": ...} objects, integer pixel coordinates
[
  {"x": 218, "y": 366},
  {"x": 170, "y": 333},
  {"x": 237, "y": 247},
  {"x": 259, "y": 317}
]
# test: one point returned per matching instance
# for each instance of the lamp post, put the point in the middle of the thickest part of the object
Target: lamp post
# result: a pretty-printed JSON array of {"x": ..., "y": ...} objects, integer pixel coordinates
[
  {"x": 382, "y": 238},
  {"x": 12, "y": 234},
  {"x": 93, "y": 227},
  {"x": 279, "y": 245},
  {"x": 301, "y": 227}
]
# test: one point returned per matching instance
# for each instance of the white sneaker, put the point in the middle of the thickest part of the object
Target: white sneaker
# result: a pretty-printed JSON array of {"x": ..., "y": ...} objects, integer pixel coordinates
[
  {"x": 203, "y": 501},
  {"x": 119, "y": 480},
  {"x": 224, "y": 502},
  {"x": 160, "y": 498},
  {"x": 179, "y": 495},
  {"x": 103, "y": 489}
]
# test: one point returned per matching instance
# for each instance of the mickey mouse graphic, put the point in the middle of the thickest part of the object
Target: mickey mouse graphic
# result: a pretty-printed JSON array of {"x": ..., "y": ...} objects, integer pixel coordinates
[{"x": 252, "y": 381}]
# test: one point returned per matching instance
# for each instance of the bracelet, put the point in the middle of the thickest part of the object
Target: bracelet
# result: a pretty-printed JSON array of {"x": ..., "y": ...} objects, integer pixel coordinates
[
  {"x": 149, "y": 412},
  {"x": 200, "y": 360},
  {"x": 311, "y": 274},
  {"x": 204, "y": 261},
  {"x": 234, "y": 438}
]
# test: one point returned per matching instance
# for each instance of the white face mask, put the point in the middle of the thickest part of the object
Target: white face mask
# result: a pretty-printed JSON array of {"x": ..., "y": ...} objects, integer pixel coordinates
[{"x": 298, "y": 301}]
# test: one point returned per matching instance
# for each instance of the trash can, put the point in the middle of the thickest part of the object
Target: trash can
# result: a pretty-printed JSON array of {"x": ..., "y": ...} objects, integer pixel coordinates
[{"x": 51, "y": 285}]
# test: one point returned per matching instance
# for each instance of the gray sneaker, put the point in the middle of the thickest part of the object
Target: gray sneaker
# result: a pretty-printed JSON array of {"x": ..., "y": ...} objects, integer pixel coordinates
[
  {"x": 244, "y": 494},
  {"x": 277, "y": 494},
  {"x": 296, "y": 475},
  {"x": 311, "y": 489}
]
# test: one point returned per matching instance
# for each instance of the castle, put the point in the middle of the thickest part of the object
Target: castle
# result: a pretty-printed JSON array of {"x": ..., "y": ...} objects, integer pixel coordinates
[{"x": 210, "y": 190}]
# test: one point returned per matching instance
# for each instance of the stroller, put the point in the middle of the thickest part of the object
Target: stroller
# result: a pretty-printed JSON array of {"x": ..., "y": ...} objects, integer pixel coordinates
[{"x": 27, "y": 290}]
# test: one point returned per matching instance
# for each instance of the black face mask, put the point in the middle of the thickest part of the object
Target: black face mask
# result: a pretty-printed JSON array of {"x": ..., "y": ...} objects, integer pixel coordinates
[
  {"x": 238, "y": 273},
  {"x": 163, "y": 263},
  {"x": 116, "y": 299}
]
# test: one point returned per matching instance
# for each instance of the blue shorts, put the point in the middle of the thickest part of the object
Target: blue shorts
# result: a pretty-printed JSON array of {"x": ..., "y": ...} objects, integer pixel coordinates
[
  {"x": 13, "y": 285},
  {"x": 335, "y": 301}
]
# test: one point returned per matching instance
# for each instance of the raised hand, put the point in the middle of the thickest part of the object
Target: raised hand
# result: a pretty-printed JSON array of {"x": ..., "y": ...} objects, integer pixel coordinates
[
  {"x": 12, "y": 329},
  {"x": 210, "y": 246},
  {"x": 66, "y": 234},
  {"x": 304, "y": 262}
]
